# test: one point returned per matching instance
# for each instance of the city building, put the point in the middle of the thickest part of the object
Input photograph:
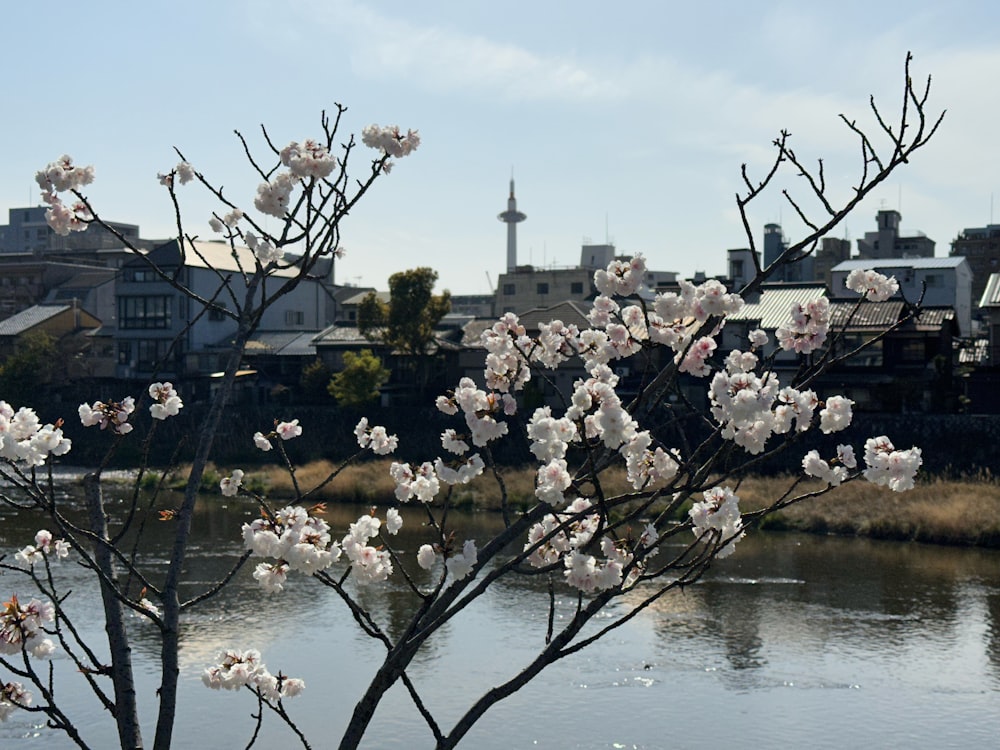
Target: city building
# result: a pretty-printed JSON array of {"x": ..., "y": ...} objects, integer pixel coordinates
[
  {"x": 980, "y": 246},
  {"x": 936, "y": 282},
  {"x": 27, "y": 231},
  {"x": 888, "y": 241},
  {"x": 159, "y": 329}
]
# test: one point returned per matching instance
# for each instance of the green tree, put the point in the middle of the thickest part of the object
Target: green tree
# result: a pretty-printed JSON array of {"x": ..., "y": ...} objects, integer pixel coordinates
[
  {"x": 314, "y": 381},
  {"x": 32, "y": 365},
  {"x": 406, "y": 323},
  {"x": 359, "y": 382}
]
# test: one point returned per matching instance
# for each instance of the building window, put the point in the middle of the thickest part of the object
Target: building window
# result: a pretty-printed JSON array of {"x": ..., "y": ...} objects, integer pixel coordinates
[
  {"x": 576, "y": 287},
  {"x": 542, "y": 288},
  {"x": 294, "y": 317},
  {"x": 143, "y": 355},
  {"x": 509, "y": 289},
  {"x": 935, "y": 280},
  {"x": 140, "y": 274},
  {"x": 144, "y": 312}
]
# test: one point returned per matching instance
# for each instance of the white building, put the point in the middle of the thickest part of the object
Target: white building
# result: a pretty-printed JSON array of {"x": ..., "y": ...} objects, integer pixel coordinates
[{"x": 943, "y": 282}]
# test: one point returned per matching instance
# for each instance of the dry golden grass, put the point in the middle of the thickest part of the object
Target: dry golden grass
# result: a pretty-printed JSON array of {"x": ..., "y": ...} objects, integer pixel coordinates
[{"x": 964, "y": 511}]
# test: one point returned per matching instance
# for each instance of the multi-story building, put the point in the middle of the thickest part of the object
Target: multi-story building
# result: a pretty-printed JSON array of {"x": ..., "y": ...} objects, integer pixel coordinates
[
  {"x": 27, "y": 231},
  {"x": 158, "y": 328},
  {"x": 980, "y": 246},
  {"x": 888, "y": 242},
  {"x": 941, "y": 282}
]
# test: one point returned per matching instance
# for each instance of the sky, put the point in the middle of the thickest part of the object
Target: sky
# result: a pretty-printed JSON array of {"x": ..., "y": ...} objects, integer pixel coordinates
[{"x": 624, "y": 122}]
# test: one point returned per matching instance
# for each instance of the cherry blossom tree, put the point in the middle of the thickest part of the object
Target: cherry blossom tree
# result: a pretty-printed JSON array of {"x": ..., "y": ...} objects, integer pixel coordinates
[{"x": 580, "y": 536}]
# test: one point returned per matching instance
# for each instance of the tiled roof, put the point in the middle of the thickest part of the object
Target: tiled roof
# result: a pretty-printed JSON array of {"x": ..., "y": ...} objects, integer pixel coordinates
[
  {"x": 868, "y": 315},
  {"x": 773, "y": 308},
  {"x": 25, "y": 320}
]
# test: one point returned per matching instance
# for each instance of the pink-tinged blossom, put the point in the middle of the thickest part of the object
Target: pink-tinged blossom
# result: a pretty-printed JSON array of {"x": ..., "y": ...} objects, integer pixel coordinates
[
  {"x": 807, "y": 329},
  {"x": 451, "y": 442},
  {"x": 875, "y": 286},
  {"x": 113, "y": 414},
  {"x": 261, "y": 441},
  {"x": 288, "y": 430},
  {"x": 166, "y": 402},
  {"x": 695, "y": 360},
  {"x": 717, "y": 519},
  {"x": 621, "y": 278}
]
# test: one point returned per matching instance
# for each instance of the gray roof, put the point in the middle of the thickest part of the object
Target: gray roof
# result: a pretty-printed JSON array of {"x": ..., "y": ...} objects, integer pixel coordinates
[
  {"x": 876, "y": 263},
  {"x": 25, "y": 320},
  {"x": 775, "y": 304}
]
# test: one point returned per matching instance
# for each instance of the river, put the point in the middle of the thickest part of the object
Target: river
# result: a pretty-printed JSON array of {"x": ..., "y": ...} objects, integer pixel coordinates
[{"x": 793, "y": 641}]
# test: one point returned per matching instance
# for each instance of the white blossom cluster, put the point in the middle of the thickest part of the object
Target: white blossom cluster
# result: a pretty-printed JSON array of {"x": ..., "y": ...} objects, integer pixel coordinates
[
  {"x": 22, "y": 628},
  {"x": 807, "y": 330},
  {"x": 390, "y": 140},
  {"x": 60, "y": 176},
  {"x": 166, "y": 402},
  {"x": 565, "y": 536},
  {"x": 45, "y": 546},
  {"x": 309, "y": 160},
  {"x": 25, "y": 440},
  {"x": 833, "y": 472},
  {"x": 717, "y": 519},
  {"x": 113, "y": 414},
  {"x": 235, "y": 669},
  {"x": 296, "y": 541},
  {"x": 895, "y": 469},
  {"x": 13, "y": 695},
  {"x": 376, "y": 438},
  {"x": 875, "y": 286},
  {"x": 370, "y": 564}
]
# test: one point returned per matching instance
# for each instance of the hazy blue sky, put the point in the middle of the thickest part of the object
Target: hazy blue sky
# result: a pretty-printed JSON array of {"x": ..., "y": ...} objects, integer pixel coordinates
[{"x": 629, "y": 119}]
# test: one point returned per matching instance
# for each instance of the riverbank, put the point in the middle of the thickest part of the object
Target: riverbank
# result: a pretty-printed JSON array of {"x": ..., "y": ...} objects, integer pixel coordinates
[{"x": 962, "y": 511}]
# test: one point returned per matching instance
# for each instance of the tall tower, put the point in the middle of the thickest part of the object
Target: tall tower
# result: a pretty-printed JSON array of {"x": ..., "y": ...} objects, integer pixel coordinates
[{"x": 511, "y": 217}]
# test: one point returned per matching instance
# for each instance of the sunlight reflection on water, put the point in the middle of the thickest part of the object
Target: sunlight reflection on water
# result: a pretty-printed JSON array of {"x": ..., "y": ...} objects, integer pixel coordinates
[{"x": 792, "y": 641}]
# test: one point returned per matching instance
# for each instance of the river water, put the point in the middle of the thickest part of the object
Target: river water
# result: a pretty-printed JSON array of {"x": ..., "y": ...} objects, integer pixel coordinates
[{"x": 793, "y": 641}]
